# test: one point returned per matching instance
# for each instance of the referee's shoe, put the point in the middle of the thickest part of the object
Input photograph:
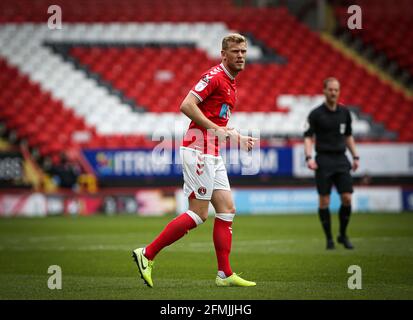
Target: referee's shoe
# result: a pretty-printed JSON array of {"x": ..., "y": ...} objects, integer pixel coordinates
[
  {"x": 345, "y": 242},
  {"x": 330, "y": 244}
]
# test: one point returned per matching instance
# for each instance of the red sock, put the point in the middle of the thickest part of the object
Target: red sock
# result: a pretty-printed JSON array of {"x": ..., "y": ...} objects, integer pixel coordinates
[
  {"x": 173, "y": 231},
  {"x": 222, "y": 241}
]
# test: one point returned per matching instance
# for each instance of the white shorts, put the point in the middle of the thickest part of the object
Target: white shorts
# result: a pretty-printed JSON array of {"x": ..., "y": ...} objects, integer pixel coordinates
[{"x": 203, "y": 173}]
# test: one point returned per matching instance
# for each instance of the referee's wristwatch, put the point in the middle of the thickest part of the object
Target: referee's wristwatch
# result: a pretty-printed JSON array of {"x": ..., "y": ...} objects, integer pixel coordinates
[
  {"x": 308, "y": 158},
  {"x": 356, "y": 158}
]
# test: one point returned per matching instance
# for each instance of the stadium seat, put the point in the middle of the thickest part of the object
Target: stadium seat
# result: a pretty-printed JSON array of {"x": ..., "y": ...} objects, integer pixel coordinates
[{"x": 150, "y": 81}]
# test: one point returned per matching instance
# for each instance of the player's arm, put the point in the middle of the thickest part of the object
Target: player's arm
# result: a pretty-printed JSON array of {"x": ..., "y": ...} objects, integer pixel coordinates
[
  {"x": 351, "y": 145},
  {"x": 189, "y": 107},
  {"x": 245, "y": 142}
]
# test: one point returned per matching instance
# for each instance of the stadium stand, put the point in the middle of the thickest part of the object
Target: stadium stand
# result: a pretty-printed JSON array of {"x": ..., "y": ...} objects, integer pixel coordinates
[{"x": 118, "y": 70}]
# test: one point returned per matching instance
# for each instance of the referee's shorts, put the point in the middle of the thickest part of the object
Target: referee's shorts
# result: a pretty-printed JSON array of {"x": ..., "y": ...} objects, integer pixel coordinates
[{"x": 333, "y": 169}]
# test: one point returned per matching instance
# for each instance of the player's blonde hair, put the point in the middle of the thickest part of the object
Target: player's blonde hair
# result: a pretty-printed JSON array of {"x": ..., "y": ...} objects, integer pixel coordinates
[{"x": 233, "y": 37}]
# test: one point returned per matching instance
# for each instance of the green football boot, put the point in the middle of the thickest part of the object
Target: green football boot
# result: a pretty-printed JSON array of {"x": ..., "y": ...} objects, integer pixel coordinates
[
  {"x": 145, "y": 266},
  {"x": 233, "y": 281}
]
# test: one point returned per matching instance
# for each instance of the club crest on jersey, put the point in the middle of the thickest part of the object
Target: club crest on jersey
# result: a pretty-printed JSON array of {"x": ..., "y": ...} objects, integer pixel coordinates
[
  {"x": 202, "y": 191},
  {"x": 201, "y": 85},
  {"x": 342, "y": 128}
]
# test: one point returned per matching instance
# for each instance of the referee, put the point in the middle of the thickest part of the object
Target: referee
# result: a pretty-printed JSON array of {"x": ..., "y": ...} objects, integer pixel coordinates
[{"x": 330, "y": 125}]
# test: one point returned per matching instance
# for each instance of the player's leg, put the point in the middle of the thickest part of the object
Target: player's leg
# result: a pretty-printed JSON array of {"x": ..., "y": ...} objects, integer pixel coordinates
[
  {"x": 172, "y": 232},
  {"x": 178, "y": 227},
  {"x": 324, "y": 186},
  {"x": 222, "y": 235},
  {"x": 345, "y": 188},
  {"x": 198, "y": 186}
]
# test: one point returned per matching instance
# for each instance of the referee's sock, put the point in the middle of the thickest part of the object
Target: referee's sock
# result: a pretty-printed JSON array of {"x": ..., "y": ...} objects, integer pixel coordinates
[
  {"x": 324, "y": 215},
  {"x": 344, "y": 218}
]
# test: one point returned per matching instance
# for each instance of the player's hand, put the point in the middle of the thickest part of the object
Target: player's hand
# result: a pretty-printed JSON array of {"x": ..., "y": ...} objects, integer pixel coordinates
[
  {"x": 222, "y": 133},
  {"x": 247, "y": 142},
  {"x": 356, "y": 164},
  {"x": 312, "y": 165}
]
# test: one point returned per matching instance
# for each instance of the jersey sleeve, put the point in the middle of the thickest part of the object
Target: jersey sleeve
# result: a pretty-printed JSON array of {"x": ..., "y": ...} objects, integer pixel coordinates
[
  {"x": 309, "y": 126},
  {"x": 205, "y": 87},
  {"x": 349, "y": 129}
]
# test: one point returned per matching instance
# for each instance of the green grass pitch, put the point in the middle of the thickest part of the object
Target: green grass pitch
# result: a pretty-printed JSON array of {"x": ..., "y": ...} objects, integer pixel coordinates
[{"x": 284, "y": 254}]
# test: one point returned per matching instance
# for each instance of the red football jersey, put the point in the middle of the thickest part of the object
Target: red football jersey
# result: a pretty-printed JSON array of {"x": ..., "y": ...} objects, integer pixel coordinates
[{"x": 217, "y": 92}]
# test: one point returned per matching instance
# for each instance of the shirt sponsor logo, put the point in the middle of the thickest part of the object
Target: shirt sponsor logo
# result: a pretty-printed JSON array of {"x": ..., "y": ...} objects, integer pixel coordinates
[{"x": 225, "y": 111}]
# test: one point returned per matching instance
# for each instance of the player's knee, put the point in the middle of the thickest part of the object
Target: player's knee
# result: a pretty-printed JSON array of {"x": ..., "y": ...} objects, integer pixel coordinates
[
  {"x": 203, "y": 214},
  {"x": 232, "y": 209}
]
